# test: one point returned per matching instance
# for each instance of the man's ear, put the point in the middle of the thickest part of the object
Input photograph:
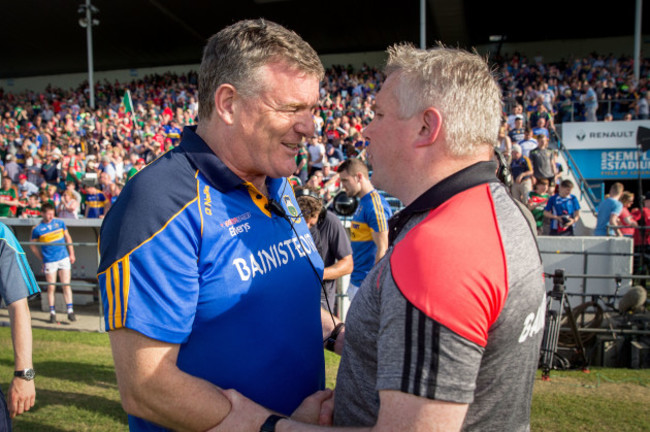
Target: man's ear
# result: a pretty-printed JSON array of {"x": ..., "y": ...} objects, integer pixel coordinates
[
  {"x": 430, "y": 125},
  {"x": 224, "y": 101}
]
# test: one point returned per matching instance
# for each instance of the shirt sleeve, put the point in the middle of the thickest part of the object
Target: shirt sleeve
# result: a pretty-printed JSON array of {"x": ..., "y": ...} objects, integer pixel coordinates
[
  {"x": 376, "y": 214},
  {"x": 154, "y": 288},
  {"x": 16, "y": 278}
]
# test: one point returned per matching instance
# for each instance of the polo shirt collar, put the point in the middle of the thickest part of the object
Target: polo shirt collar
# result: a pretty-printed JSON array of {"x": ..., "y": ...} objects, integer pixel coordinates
[
  {"x": 204, "y": 159},
  {"x": 467, "y": 178}
]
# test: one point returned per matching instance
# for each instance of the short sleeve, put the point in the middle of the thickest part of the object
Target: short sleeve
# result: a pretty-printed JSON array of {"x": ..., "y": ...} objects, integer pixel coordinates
[
  {"x": 16, "y": 278},
  {"x": 154, "y": 288},
  {"x": 376, "y": 213}
]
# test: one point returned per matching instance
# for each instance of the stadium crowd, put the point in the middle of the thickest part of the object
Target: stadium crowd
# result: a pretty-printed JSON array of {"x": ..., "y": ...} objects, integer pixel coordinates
[{"x": 54, "y": 148}]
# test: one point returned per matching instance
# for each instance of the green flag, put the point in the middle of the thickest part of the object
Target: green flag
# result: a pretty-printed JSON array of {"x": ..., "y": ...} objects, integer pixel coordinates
[{"x": 128, "y": 105}]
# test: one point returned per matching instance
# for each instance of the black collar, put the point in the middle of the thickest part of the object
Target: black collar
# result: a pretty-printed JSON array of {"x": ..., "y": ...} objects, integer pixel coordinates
[
  {"x": 204, "y": 159},
  {"x": 473, "y": 175}
]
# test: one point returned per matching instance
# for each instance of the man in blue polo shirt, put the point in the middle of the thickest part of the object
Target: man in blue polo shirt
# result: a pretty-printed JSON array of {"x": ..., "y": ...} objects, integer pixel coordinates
[
  {"x": 208, "y": 274},
  {"x": 369, "y": 227}
]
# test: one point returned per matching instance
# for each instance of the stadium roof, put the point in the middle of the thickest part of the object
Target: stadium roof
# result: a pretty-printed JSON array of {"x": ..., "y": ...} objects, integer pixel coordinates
[{"x": 43, "y": 37}]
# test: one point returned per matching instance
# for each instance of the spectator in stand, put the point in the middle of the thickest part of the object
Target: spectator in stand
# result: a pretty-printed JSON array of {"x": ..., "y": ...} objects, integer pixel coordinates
[
  {"x": 642, "y": 107},
  {"x": 590, "y": 101},
  {"x": 69, "y": 206},
  {"x": 25, "y": 185},
  {"x": 542, "y": 113},
  {"x": 96, "y": 202},
  {"x": 505, "y": 144},
  {"x": 565, "y": 106},
  {"x": 33, "y": 207},
  {"x": 529, "y": 143},
  {"x": 302, "y": 163},
  {"x": 8, "y": 198},
  {"x": 522, "y": 175},
  {"x": 609, "y": 211},
  {"x": 563, "y": 210},
  {"x": 53, "y": 194},
  {"x": 543, "y": 160},
  {"x": 537, "y": 200},
  {"x": 139, "y": 164},
  {"x": 517, "y": 132},
  {"x": 540, "y": 128},
  {"x": 626, "y": 219},
  {"x": 50, "y": 168},
  {"x": 11, "y": 168},
  {"x": 316, "y": 154},
  {"x": 107, "y": 167}
]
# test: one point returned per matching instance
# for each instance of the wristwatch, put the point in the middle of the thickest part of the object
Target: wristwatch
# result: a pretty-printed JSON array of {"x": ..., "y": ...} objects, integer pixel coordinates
[
  {"x": 269, "y": 424},
  {"x": 26, "y": 374},
  {"x": 331, "y": 340}
]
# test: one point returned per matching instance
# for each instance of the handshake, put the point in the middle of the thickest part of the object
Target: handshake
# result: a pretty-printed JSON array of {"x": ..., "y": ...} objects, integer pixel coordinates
[{"x": 245, "y": 415}]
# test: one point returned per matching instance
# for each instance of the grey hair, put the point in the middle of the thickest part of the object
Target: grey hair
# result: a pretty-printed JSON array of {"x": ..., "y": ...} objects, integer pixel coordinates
[
  {"x": 459, "y": 84},
  {"x": 235, "y": 54}
]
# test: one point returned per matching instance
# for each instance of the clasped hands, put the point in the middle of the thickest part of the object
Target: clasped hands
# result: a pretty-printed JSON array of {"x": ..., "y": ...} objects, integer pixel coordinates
[{"x": 246, "y": 415}]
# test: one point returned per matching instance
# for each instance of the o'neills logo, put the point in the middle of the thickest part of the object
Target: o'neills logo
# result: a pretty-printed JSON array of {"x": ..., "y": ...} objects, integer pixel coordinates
[{"x": 207, "y": 201}]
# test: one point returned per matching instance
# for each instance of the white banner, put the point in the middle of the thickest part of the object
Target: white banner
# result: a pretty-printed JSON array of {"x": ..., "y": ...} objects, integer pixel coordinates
[{"x": 601, "y": 135}]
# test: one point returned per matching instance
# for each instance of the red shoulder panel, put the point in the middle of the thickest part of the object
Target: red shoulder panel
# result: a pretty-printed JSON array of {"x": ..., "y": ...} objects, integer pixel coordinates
[{"x": 452, "y": 265}]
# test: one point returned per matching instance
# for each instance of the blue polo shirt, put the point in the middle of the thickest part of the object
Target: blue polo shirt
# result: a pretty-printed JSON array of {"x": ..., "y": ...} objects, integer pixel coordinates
[
  {"x": 190, "y": 255},
  {"x": 372, "y": 214}
]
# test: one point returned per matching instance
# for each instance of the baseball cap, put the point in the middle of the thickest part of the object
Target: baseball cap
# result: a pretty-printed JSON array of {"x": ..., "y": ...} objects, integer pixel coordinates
[
  {"x": 519, "y": 116},
  {"x": 516, "y": 148},
  {"x": 22, "y": 176}
]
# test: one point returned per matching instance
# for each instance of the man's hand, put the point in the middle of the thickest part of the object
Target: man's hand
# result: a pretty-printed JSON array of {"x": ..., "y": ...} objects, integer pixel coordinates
[
  {"x": 245, "y": 415},
  {"x": 316, "y": 408},
  {"x": 21, "y": 396}
]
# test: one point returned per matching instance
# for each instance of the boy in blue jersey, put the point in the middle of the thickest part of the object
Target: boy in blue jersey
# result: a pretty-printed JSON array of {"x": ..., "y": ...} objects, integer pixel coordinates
[
  {"x": 206, "y": 263},
  {"x": 17, "y": 285},
  {"x": 96, "y": 203},
  {"x": 56, "y": 256},
  {"x": 563, "y": 209},
  {"x": 369, "y": 227}
]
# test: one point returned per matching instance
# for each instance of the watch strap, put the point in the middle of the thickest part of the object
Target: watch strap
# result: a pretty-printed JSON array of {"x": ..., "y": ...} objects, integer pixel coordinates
[
  {"x": 26, "y": 374},
  {"x": 271, "y": 421}
]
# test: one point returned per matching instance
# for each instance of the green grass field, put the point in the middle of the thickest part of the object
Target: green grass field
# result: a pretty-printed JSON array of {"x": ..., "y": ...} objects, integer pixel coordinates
[{"x": 76, "y": 390}]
